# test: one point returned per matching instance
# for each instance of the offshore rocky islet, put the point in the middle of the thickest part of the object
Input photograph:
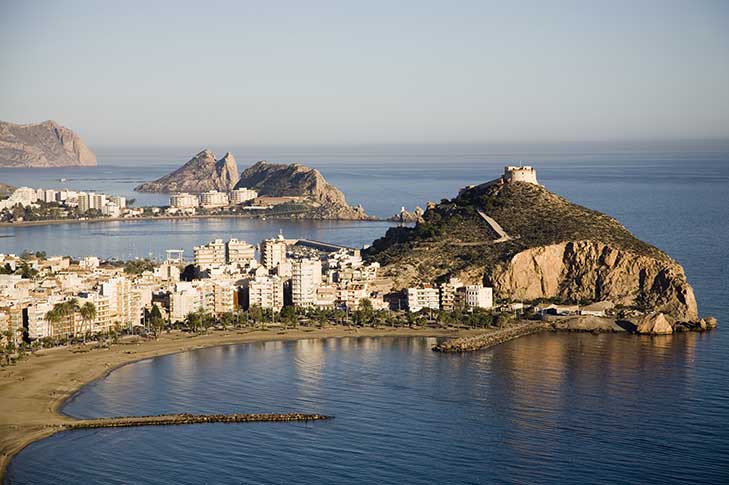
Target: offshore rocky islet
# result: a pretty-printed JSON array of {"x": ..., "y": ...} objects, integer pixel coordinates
[{"x": 203, "y": 173}]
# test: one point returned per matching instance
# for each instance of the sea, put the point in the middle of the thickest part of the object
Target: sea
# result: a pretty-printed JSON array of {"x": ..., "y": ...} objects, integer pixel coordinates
[{"x": 549, "y": 408}]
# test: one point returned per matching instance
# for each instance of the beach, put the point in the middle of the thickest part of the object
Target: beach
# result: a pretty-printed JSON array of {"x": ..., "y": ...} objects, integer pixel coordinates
[{"x": 33, "y": 391}]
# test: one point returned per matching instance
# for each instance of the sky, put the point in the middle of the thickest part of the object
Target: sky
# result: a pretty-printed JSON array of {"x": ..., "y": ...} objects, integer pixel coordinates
[{"x": 337, "y": 73}]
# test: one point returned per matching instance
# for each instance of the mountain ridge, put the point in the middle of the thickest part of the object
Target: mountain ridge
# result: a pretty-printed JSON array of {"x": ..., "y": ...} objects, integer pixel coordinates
[{"x": 42, "y": 145}]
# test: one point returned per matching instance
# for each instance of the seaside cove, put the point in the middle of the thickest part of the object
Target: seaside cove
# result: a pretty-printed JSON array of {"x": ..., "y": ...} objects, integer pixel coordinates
[{"x": 538, "y": 403}]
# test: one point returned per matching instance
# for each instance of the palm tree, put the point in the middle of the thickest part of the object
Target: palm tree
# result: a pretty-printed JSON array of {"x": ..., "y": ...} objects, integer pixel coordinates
[
  {"x": 88, "y": 315},
  {"x": 61, "y": 313}
]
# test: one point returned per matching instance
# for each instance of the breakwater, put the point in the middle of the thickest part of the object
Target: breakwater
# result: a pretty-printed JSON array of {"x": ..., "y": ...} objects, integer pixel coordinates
[
  {"x": 184, "y": 418},
  {"x": 479, "y": 342}
]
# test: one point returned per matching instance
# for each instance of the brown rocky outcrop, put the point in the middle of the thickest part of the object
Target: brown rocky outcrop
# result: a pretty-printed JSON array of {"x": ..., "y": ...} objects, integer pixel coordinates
[
  {"x": 654, "y": 324},
  {"x": 46, "y": 144},
  {"x": 296, "y": 180},
  {"x": 200, "y": 174},
  {"x": 593, "y": 271}
]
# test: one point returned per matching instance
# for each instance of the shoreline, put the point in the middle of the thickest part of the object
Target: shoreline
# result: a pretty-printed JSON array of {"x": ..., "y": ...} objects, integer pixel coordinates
[
  {"x": 33, "y": 391},
  {"x": 53, "y": 222}
]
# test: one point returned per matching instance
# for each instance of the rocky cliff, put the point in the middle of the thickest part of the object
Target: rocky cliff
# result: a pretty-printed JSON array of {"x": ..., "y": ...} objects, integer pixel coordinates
[
  {"x": 46, "y": 144},
  {"x": 200, "y": 174},
  {"x": 296, "y": 180},
  {"x": 531, "y": 244},
  {"x": 6, "y": 190}
]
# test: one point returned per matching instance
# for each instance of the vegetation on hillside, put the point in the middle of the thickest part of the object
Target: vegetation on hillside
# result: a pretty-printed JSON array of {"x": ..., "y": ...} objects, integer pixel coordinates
[{"x": 453, "y": 237}]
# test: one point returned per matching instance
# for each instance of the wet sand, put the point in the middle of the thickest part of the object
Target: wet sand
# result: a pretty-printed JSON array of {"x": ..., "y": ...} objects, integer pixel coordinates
[{"x": 33, "y": 391}]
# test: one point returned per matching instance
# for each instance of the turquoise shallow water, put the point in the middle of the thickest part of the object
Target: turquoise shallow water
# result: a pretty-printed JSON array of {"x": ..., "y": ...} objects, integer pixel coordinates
[{"x": 543, "y": 409}]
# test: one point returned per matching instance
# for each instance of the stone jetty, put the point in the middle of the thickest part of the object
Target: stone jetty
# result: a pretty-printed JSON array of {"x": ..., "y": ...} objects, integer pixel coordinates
[
  {"x": 480, "y": 342},
  {"x": 170, "y": 419}
]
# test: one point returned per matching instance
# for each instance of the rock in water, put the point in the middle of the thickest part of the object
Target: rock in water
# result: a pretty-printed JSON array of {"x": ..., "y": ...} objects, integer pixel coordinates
[
  {"x": 555, "y": 249},
  {"x": 654, "y": 324},
  {"x": 296, "y": 180},
  {"x": 46, "y": 144},
  {"x": 200, "y": 174}
]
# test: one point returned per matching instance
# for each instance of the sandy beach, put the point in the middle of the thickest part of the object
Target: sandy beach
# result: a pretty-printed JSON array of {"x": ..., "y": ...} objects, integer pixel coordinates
[{"x": 33, "y": 391}]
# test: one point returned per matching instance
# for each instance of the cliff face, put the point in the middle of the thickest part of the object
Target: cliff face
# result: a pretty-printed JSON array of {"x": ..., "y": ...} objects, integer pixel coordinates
[
  {"x": 592, "y": 271},
  {"x": 44, "y": 144},
  {"x": 296, "y": 180},
  {"x": 200, "y": 174},
  {"x": 6, "y": 190},
  {"x": 531, "y": 244}
]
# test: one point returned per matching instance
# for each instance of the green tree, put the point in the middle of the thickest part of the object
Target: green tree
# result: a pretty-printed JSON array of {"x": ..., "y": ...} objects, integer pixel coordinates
[
  {"x": 288, "y": 315},
  {"x": 88, "y": 315}
]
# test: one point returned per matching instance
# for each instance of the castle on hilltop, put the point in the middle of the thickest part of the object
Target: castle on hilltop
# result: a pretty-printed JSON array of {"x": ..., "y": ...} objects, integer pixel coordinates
[
  {"x": 512, "y": 173},
  {"x": 522, "y": 173}
]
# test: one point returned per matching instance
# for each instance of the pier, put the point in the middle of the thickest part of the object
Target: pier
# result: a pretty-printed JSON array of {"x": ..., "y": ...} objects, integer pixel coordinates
[
  {"x": 173, "y": 419},
  {"x": 480, "y": 342}
]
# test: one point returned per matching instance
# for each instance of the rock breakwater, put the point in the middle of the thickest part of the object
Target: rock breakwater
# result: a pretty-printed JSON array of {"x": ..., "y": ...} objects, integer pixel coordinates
[
  {"x": 480, "y": 342},
  {"x": 185, "y": 418}
]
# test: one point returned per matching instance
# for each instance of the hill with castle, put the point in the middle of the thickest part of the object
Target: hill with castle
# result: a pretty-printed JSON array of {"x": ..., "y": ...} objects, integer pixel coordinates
[{"x": 533, "y": 245}]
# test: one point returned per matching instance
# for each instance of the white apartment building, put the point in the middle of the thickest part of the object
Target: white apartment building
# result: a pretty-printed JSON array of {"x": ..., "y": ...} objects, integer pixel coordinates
[
  {"x": 273, "y": 252},
  {"x": 238, "y": 196},
  {"x": 419, "y": 298},
  {"x": 184, "y": 200},
  {"x": 184, "y": 299},
  {"x": 305, "y": 279},
  {"x": 213, "y": 198},
  {"x": 38, "y": 326},
  {"x": 167, "y": 271},
  {"x": 240, "y": 252},
  {"x": 477, "y": 296},
  {"x": 97, "y": 201},
  {"x": 124, "y": 306},
  {"x": 209, "y": 255},
  {"x": 89, "y": 262},
  {"x": 120, "y": 201},
  {"x": 84, "y": 202},
  {"x": 110, "y": 209},
  {"x": 266, "y": 292}
]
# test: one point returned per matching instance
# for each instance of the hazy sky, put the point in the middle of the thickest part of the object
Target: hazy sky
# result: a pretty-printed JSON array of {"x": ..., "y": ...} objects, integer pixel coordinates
[{"x": 311, "y": 72}]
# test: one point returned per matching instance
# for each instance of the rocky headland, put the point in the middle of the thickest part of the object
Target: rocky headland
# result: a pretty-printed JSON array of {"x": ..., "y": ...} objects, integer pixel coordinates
[
  {"x": 324, "y": 201},
  {"x": 42, "y": 145},
  {"x": 6, "y": 190},
  {"x": 532, "y": 245},
  {"x": 202, "y": 173}
]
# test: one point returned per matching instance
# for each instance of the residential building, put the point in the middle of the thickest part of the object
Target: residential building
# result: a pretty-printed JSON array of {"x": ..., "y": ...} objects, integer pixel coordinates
[
  {"x": 423, "y": 297},
  {"x": 209, "y": 255},
  {"x": 241, "y": 195},
  {"x": 477, "y": 296},
  {"x": 184, "y": 200},
  {"x": 213, "y": 198},
  {"x": 84, "y": 202},
  {"x": 273, "y": 252},
  {"x": 240, "y": 252},
  {"x": 120, "y": 201},
  {"x": 266, "y": 292},
  {"x": 305, "y": 279}
]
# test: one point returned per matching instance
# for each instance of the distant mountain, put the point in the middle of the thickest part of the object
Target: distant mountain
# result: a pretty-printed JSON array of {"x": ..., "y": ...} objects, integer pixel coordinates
[
  {"x": 46, "y": 144},
  {"x": 296, "y": 180},
  {"x": 200, "y": 174}
]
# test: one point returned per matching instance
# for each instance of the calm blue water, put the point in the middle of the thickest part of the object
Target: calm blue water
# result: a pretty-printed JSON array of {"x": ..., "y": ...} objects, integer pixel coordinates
[{"x": 543, "y": 409}]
